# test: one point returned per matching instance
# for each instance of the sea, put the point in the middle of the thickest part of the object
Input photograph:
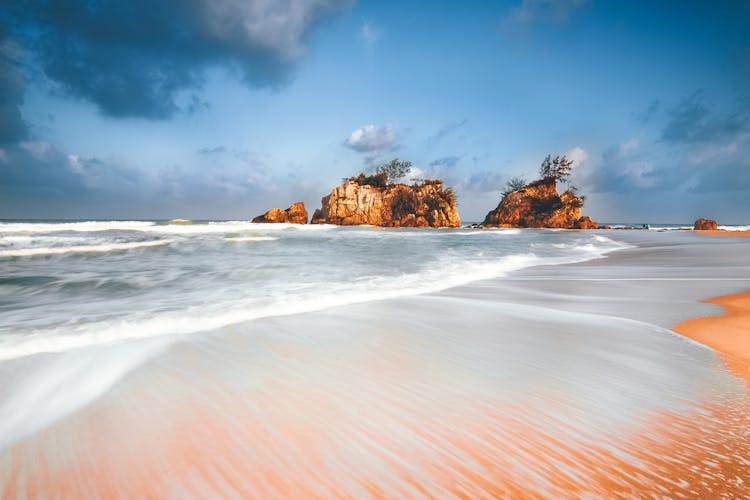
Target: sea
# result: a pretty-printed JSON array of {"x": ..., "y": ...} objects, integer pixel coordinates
[{"x": 225, "y": 358}]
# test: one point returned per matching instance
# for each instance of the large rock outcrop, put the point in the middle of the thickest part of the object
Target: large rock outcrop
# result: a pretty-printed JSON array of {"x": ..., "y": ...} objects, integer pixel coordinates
[
  {"x": 539, "y": 205},
  {"x": 296, "y": 214},
  {"x": 399, "y": 205}
]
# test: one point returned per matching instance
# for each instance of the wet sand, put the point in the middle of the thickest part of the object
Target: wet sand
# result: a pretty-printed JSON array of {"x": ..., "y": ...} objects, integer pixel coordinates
[
  {"x": 554, "y": 382},
  {"x": 729, "y": 333},
  {"x": 721, "y": 232}
]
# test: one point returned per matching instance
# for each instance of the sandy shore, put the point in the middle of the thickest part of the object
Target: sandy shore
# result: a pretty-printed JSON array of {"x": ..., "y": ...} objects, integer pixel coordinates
[
  {"x": 721, "y": 232},
  {"x": 551, "y": 382},
  {"x": 728, "y": 334}
]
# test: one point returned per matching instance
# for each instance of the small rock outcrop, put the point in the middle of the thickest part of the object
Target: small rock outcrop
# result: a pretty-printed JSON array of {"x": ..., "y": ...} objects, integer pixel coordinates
[
  {"x": 705, "y": 225},
  {"x": 396, "y": 205},
  {"x": 296, "y": 214},
  {"x": 539, "y": 205},
  {"x": 585, "y": 222}
]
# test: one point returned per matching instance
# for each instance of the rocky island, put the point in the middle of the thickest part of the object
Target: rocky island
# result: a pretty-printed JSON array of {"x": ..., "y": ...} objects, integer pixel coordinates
[
  {"x": 538, "y": 204},
  {"x": 374, "y": 200},
  {"x": 296, "y": 214}
]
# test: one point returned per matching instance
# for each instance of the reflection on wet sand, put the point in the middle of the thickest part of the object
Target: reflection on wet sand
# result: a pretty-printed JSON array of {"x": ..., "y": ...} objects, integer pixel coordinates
[{"x": 407, "y": 407}]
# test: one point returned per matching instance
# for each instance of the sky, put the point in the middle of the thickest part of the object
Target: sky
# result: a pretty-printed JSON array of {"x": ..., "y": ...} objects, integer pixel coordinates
[{"x": 222, "y": 109}]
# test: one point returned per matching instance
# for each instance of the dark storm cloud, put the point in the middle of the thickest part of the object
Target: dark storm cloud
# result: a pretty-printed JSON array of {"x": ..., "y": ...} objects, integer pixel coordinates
[
  {"x": 12, "y": 125},
  {"x": 148, "y": 58}
]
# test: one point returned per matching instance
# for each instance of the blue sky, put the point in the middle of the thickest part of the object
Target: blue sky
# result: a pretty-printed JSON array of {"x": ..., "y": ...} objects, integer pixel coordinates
[{"x": 224, "y": 108}]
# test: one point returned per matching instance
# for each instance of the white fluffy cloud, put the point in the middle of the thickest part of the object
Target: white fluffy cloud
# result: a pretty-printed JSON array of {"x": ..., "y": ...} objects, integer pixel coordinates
[
  {"x": 578, "y": 155},
  {"x": 371, "y": 138}
]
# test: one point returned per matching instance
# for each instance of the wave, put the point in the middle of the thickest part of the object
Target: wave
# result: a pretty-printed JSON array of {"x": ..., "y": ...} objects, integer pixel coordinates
[
  {"x": 447, "y": 272},
  {"x": 110, "y": 247},
  {"x": 735, "y": 228},
  {"x": 86, "y": 226},
  {"x": 493, "y": 231},
  {"x": 153, "y": 227}
]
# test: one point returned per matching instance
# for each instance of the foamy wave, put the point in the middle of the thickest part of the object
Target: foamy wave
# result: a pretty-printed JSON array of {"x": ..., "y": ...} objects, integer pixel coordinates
[
  {"x": 88, "y": 226},
  {"x": 493, "y": 231},
  {"x": 446, "y": 273},
  {"x": 30, "y": 252},
  {"x": 735, "y": 228},
  {"x": 152, "y": 227}
]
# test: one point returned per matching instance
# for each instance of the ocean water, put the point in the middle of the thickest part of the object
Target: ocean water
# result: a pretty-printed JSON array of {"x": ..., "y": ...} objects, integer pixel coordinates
[
  {"x": 232, "y": 359},
  {"x": 69, "y": 285}
]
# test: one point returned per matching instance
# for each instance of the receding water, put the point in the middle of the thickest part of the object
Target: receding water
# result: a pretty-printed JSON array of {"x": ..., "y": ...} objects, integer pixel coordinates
[{"x": 235, "y": 359}]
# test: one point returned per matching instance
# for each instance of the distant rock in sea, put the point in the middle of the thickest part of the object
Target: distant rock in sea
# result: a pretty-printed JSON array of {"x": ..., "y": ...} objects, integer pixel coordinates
[
  {"x": 181, "y": 222},
  {"x": 705, "y": 225},
  {"x": 396, "y": 205},
  {"x": 296, "y": 214},
  {"x": 539, "y": 205}
]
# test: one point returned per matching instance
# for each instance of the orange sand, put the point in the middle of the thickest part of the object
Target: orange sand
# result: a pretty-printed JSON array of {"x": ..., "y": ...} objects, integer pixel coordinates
[
  {"x": 721, "y": 232},
  {"x": 729, "y": 334}
]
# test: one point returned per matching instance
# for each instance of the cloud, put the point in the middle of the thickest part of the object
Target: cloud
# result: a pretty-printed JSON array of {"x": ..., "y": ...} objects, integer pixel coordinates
[
  {"x": 212, "y": 151},
  {"x": 578, "y": 155},
  {"x": 369, "y": 34},
  {"x": 531, "y": 11},
  {"x": 148, "y": 58},
  {"x": 446, "y": 161},
  {"x": 40, "y": 180},
  {"x": 38, "y": 172},
  {"x": 446, "y": 130},
  {"x": 649, "y": 113},
  {"x": 372, "y": 138},
  {"x": 692, "y": 120},
  {"x": 12, "y": 125},
  {"x": 484, "y": 181}
]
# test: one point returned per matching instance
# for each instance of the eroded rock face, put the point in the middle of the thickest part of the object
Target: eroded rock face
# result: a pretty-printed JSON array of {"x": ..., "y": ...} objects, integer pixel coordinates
[
  {"x": 296, "y": 214},
  {"x": 399, "y": 205},
  {"x": 705, "y": 225},
  {"x": 539, "y": 205}
]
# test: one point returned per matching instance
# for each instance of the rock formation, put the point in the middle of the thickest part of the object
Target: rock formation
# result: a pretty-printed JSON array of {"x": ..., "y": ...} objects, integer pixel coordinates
[
  {"x": 585, "y": 222},
  {"x": 296, "y": 214},
  {"x": 398, "y": 205},
  {"x": 705, "y": 225},
  {"x": 539, "y": 205}
]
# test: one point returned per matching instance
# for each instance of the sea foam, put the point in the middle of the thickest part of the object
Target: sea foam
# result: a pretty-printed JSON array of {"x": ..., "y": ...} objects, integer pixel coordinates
[{"x": 238, "y": 304}]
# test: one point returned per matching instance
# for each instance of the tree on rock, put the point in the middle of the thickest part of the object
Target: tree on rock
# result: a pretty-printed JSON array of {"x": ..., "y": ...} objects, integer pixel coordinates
[
  {"x": 514, "y": 184},
  {"x": 394, "y": 170},
  {"x": 557, "y": 168}
]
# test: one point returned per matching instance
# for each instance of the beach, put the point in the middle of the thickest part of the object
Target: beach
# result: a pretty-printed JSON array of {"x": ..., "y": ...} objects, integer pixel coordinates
[{"x": 552, "y": 379}]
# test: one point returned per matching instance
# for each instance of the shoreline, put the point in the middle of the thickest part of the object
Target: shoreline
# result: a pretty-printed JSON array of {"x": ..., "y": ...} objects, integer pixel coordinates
[
  {"x": 557, "y": 379},
  {"x": 727, "y": 333},
  {"x": 722, "y": 232}
]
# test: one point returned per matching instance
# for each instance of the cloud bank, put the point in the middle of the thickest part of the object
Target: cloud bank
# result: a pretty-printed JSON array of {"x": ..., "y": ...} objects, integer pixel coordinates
[{"x": 148, "y": 58}]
